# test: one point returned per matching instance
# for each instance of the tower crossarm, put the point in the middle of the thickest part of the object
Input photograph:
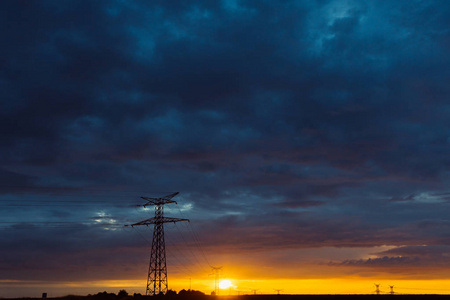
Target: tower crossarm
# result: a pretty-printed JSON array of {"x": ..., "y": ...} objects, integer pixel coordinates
[
  {"x": 157, "y": 270},
  {"x": 159, "y": 201},
  {"x": 158, "y": 220}
]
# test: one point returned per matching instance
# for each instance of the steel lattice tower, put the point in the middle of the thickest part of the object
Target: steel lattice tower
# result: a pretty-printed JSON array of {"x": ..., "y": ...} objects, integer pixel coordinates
[
  {"x": 392, "y": 290},
  {"x": 377, "y": 291},
  {"x": 216, "y": 273},
  {"x": 157, "y": 270}
]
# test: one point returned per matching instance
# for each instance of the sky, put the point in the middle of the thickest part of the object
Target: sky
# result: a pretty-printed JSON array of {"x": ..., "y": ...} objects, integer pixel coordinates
[{"x": 309, "y": 141}]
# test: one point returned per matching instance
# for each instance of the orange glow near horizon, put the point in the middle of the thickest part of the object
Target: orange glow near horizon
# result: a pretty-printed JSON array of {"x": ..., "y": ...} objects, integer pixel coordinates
[
  {"x": 294, "y": 271},
  {"x": 351, "y": 285},
  {"x": 348, "y": 285}
]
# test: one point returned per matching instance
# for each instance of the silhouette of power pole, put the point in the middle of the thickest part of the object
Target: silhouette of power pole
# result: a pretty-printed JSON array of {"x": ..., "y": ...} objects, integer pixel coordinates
[
  {"x": 278, "y": 291},
  {"x": 392, "y": 290},
  {"x": 377, "y": 291},
  {"x": 216, "y": 273},
  {"x": 254, "y": 291},
  {"x": 157, "y": 270}
]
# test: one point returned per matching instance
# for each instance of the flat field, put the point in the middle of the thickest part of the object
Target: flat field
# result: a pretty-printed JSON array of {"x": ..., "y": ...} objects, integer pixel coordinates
[{"x": 253, "y": 297}]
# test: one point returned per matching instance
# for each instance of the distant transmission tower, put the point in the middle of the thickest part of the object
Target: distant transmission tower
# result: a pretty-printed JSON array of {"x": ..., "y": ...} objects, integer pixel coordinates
[
  {"x": 157, "y": 270},
  {"x": 392, "y": 290},
  {"x": 216, "y": 273},
  {"x": 278, "y": 291},
  {"x": 377, "y": 291}
]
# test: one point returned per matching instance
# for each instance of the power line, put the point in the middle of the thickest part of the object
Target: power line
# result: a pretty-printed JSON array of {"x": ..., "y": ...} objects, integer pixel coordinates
[
  {"x": 168, "y": 250},
  {"x": 188, "y": 246},
  {"x": 196, "y": 239},
  {"x": 49, "y": 224},
  {"x": 186, "y": 252},
  {"x": 182, "y": 253}
]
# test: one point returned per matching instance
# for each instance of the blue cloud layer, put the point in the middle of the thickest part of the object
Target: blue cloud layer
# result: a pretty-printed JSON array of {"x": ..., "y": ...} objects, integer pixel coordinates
[{"x": 330, "y": 118}]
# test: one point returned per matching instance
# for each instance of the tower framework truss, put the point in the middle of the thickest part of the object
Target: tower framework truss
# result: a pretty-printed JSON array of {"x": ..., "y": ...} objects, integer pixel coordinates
[
  {"x": 216, "y": 273},
  {"x": 157, "y": 270}
]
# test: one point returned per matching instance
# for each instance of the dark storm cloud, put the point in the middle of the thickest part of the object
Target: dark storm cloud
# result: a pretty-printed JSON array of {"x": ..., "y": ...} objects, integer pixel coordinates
[
  {"x": 328, "y": 117},
  {"x": 84, "y": 253},
  {"x": 14, "y": 182},
  {"x": 407, "y": 257}
]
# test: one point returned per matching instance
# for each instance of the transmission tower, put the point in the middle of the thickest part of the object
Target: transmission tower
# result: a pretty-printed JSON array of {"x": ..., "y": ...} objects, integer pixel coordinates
[
  {"x": 216, "y": 273},
  {"x": 392, "y": 290},
  {"x": 157, "y": 270},
  {"x": 278, "y": 291},
  {"x": 377, "y": 291}
]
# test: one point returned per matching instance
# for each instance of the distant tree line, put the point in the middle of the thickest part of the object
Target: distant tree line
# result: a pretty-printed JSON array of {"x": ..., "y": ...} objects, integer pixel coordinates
[{"x": 123, "y": 295}]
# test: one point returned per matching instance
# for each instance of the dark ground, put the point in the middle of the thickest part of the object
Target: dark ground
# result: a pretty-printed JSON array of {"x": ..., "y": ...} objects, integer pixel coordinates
[{"x": 250, "y": 297}]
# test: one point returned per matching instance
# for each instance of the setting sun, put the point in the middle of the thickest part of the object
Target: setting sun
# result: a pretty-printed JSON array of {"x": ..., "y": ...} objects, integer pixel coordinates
[{"x": 224, "y": 284}]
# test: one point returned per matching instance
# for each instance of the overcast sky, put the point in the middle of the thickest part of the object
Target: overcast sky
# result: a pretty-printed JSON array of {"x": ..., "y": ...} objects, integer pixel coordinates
[{"x": 300, "y": 134}]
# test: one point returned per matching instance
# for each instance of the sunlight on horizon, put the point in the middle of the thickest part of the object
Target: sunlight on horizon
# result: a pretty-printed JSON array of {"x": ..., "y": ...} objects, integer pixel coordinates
[
  {"x": 224, "y": 284},
  {"x": 235, "y": 286}
]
